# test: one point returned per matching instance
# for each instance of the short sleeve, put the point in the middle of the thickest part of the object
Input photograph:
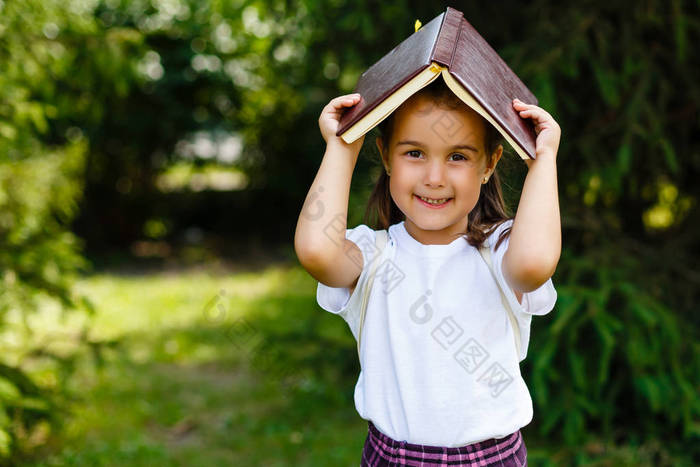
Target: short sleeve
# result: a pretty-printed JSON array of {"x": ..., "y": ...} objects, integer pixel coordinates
[
  {"x": 337, "y": 300},
  {"x": 538, "y": 302}
]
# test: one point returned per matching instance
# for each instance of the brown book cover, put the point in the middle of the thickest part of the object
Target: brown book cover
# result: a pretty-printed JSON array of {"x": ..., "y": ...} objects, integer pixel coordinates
[{"x": 450, "y": 46}]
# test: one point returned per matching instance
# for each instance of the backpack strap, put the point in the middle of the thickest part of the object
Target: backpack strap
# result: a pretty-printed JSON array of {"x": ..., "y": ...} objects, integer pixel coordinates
[
  {"x": 485, "y": 252},
  {"x": 380, "y": 242}
]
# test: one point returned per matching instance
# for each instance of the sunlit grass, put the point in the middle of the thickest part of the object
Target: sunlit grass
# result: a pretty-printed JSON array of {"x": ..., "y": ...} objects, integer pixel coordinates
[{"x": 183, "y": 388}]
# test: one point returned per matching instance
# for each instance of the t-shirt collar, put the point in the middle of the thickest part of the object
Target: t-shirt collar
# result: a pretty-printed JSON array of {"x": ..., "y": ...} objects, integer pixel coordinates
[{"x": 406, "y": 241}]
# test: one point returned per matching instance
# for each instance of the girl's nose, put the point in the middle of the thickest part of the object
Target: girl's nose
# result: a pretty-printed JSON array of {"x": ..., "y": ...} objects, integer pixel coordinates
[{"x": 435, "y": 175}]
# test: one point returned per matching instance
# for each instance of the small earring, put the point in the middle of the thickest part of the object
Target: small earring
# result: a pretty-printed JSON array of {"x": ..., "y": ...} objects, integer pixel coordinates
[{"x": 486, "y": 179}]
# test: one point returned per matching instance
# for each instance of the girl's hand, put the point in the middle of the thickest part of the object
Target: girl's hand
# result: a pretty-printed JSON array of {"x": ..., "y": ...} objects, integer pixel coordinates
[
  {"x": 330, "y": 119},
  {"x": 547, "y": 130}
]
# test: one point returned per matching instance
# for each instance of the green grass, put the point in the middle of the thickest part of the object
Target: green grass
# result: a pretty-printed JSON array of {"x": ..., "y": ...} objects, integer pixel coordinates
[
  {"x": 192, "y": 384},
  {"x": 214, "y": 367}
]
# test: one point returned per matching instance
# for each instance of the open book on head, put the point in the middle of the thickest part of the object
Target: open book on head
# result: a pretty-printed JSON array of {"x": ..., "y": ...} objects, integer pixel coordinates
[{"x": 450, "y": 47}]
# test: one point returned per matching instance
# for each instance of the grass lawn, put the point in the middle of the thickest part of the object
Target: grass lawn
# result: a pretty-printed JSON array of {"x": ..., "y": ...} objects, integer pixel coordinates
[
  {"x": 222, "y": 367},
  {"x": 204, "y": 374}
]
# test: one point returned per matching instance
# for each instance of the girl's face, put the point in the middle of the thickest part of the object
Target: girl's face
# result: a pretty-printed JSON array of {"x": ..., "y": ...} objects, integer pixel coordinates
[{"x": 436, "y": 153}]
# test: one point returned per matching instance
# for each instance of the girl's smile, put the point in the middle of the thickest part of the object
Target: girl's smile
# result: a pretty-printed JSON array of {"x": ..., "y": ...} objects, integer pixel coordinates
[{"x": 433, "y": 203}]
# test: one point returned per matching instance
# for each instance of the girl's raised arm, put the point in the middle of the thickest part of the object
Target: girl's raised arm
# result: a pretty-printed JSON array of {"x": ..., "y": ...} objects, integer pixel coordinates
[
  {"x": 319, "y": 241},
  {"x": 535, "y": 240}
]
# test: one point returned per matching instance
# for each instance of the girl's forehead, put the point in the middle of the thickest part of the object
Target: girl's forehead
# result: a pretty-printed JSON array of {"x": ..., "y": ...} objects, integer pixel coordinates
[{"x": 432, "y": 123}]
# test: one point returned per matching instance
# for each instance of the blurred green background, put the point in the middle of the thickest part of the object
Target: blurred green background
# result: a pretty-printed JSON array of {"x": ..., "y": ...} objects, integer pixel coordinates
[{"x": 154, "y": 158}]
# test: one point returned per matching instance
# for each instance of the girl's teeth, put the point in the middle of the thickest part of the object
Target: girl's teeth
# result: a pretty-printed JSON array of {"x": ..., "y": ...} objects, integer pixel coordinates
[{"x": 437, "y": 201}]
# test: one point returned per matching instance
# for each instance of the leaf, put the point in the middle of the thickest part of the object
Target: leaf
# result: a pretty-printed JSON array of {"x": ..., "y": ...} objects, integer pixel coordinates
[
  {"x": 573, "y": 426},
  {"x": 577, "y": 369},
  {"x": 589, "y": 406},
  {"x": 34, "y": 403},
  {"x": 606, "y": 84},
  {"x": 546, "y": 93},
  {"x": 624, "y": 156},
  {"x": 679, "y": 31},
  {"x": 8, "y": 391},
  {"x": 542, "y": 370},
  {"x": 608, "y": 342},
  {"x": 649, "y": 388},
  {"x": 5, "y": 443},
  {"x": 669, "y": 155},
  {"x": 550, "y": 418},
  {"x": 644, "y": 312},
  {"x": 565, "y": 312}
]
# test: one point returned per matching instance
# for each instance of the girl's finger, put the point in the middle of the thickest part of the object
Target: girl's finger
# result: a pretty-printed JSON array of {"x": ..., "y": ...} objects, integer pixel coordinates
[
  {"x": 340, "y": 101},
  {"x": 529, "y": 107},
  {"x": 520, "y": 103},
  {"x": 334, "y": 109},
  {"x": 537, "y": 115}
]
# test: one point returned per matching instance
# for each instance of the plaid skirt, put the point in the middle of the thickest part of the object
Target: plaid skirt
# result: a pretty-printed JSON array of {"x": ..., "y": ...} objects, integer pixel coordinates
[{"x": 382, "y": 451}]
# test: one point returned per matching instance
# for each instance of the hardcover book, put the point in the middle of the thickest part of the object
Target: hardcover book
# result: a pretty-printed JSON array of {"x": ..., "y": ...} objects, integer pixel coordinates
[{"x": 450, "y": 47}]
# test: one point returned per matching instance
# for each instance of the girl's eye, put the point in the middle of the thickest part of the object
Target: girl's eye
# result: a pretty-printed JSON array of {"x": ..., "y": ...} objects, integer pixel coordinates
[{"x": 416, "y": 153}]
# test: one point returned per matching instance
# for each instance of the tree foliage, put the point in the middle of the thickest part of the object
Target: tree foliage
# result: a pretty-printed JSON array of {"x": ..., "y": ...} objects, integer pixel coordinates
[{"x": 41, "y": 181}]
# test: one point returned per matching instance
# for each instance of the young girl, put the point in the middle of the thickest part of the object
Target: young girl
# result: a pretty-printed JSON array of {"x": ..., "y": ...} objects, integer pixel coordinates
[{"x": 440, "y": 378}]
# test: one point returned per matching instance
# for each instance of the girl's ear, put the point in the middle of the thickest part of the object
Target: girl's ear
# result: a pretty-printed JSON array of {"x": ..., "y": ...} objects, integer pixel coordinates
[{"x": 490, "y": 167}]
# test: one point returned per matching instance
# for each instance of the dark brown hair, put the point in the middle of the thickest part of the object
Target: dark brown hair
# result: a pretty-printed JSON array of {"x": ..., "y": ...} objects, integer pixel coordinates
[{"x": 490, "y": 210}]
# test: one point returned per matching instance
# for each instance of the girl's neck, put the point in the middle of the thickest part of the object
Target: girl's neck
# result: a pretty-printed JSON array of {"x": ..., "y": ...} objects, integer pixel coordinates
[{"x": 443, "y": 236}]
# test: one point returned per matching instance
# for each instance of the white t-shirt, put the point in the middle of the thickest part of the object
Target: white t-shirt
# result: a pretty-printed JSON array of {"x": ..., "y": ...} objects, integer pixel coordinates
[{"x": 438, "y": 359}]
